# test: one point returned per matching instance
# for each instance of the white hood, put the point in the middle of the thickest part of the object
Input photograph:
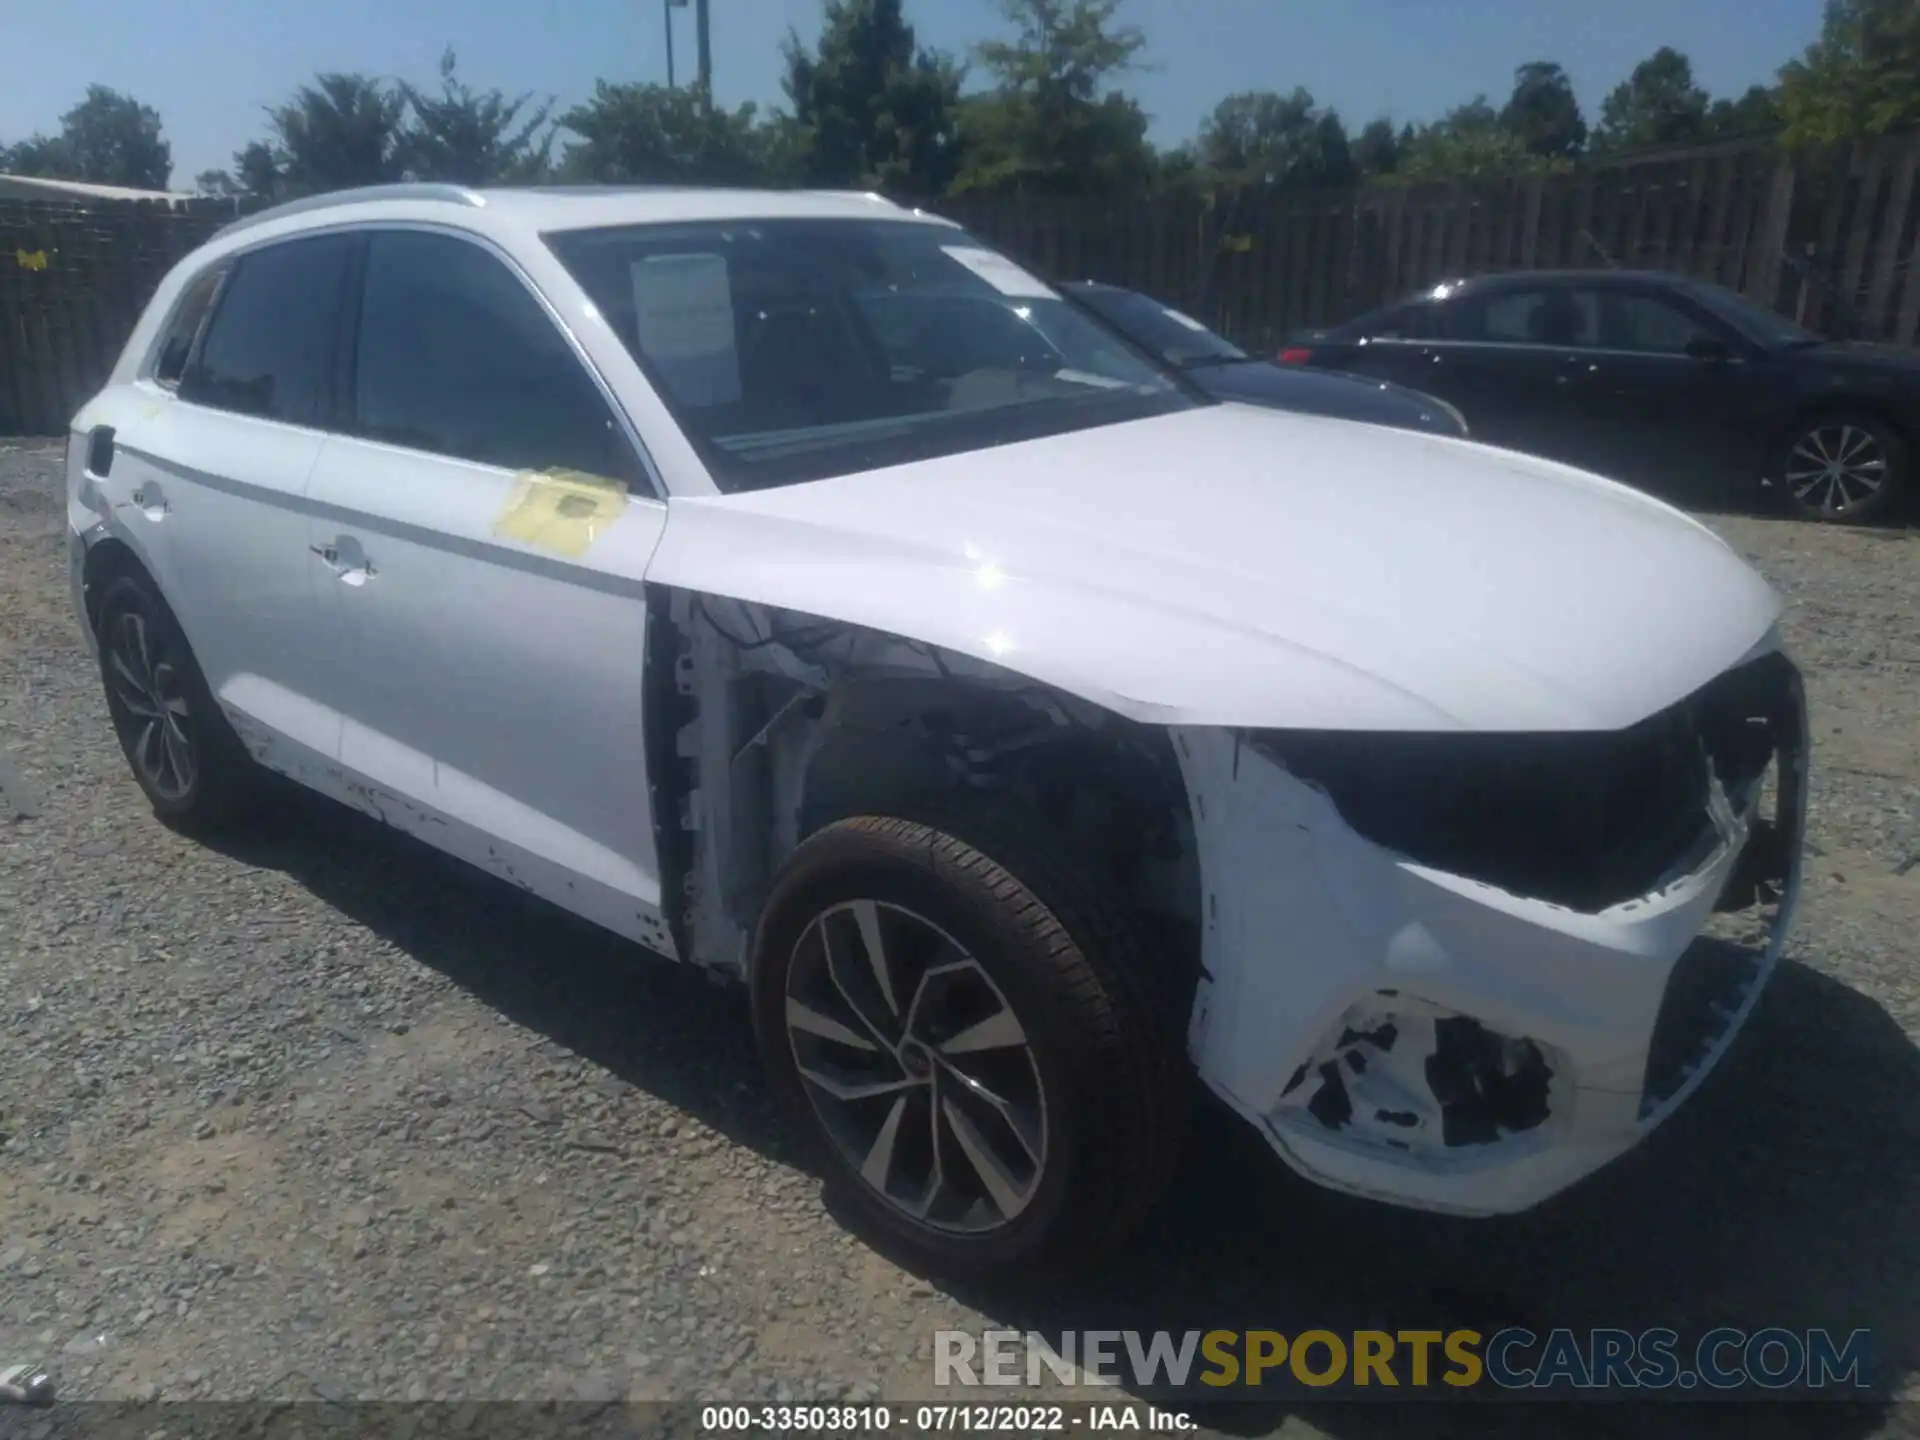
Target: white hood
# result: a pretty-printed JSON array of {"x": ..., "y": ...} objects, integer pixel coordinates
[{"x": 1236, "y": 566}]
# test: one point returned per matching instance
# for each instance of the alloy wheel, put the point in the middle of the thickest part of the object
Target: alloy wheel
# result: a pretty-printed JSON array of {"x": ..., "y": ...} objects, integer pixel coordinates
[
  {"x": 1836, "y": 468},
  {"x": 917, "y": 1067},
  {"x": 149, "y": 692}
]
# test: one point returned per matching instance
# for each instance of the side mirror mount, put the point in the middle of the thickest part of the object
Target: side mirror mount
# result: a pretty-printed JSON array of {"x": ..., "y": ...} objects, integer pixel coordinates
[{"x": 1708, "y": 350}]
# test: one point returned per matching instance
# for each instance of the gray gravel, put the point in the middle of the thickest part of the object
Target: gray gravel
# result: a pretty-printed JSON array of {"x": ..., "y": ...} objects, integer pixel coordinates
[{"x": 319, "y": 1113}]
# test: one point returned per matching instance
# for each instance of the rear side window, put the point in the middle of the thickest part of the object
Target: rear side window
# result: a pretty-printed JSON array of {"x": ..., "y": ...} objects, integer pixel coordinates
[
  {"x": 456, "y": 357},
  {"x": 176, "y": 346},
  {"x": 270, "y": 347},
  {"x": 1551, "y": 315}
]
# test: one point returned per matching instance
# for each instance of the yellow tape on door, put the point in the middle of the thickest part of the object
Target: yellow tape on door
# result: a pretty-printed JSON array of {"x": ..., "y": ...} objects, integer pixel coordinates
[{"x": 562, "y": 511}]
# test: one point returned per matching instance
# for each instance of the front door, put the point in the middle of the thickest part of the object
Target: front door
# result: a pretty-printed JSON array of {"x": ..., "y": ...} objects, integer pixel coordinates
[{"x": 481, "y": 532}]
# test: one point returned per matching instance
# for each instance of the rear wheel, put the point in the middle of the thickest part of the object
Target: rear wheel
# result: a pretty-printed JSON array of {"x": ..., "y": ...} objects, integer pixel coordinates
[
  {"x": 184, "y": 755},
  {"x": 967, "y": 1029},
  {"x": 1843, "y": 468}
]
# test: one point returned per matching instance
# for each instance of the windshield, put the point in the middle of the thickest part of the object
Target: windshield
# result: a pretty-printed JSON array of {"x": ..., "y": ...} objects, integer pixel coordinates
[
  {"x": 1761, "y": 326},
  {"x": 1178, "y": 339},
  {"x": 793, "y": 350}
]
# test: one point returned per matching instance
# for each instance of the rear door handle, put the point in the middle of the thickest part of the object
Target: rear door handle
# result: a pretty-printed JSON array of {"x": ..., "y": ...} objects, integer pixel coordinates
[{"x": 346, "y": 559}]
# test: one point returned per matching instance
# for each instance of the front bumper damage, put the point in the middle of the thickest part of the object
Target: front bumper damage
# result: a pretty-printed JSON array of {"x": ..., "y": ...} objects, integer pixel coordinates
[{"x": 1441, "y": 1040}]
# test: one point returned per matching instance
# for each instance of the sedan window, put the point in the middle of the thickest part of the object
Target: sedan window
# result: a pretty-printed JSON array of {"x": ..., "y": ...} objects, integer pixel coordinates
[
  {"x": 270, "y": 347},
  {"x": 457, "y": 358},
  {"x": 1645, "y": 322},
  {"x": 1547, "y": 315},
  {"x": 792, "y": 350}
]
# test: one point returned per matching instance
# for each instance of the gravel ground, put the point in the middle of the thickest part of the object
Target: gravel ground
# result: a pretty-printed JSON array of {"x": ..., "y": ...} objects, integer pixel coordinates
[{"x": 319, "y": 1113}]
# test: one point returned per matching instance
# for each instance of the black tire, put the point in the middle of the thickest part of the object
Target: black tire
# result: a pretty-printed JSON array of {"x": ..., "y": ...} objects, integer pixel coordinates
[
  {"x": 218, "y": 782},
  {"x": 1838, "y": 499},
  {"x": 1084, "y": 985}
]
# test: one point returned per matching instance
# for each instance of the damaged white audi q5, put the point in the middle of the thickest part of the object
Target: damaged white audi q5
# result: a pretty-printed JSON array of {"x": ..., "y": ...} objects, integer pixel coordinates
[{"x": 800, "y": 588}]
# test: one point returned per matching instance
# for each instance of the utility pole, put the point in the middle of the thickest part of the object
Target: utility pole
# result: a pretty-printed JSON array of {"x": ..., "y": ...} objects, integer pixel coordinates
[
  {"x": 706, "y": 52},
  {"x": 667, "y": 8}
]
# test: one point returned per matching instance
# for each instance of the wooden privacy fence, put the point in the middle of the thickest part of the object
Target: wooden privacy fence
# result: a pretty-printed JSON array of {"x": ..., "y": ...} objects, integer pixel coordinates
[
  {"x": 73, "y": 281},
  {"x": 1828, "y": 238}
]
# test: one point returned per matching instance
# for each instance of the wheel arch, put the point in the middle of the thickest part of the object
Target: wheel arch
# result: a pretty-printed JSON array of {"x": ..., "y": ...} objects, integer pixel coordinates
[{"x": 756, "y": 746}]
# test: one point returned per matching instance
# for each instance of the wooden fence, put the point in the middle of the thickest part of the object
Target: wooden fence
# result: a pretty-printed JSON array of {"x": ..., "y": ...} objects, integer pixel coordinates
[
  {"x": 1829, "y": 239},
  {"x": 73, "y": 281}
]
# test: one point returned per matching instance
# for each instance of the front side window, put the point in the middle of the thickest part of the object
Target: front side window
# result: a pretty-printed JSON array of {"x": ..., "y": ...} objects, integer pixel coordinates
[
  {"x": 792, "y": 350},
  {"x": 457, "y": 358},
  {"x": 176, "y": 346},
  {"x": 1644, "y": 322},
  {"x": 270, "y": 346}
]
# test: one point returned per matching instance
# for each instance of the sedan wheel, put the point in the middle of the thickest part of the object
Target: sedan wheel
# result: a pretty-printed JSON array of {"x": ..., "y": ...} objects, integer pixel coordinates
[{"x": 1843, "y": 469}]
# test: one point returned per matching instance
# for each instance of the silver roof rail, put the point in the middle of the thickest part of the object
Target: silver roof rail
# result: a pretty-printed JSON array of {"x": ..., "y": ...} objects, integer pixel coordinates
[
  {"x": 872, "y": 195},
  {"x": 406, "y": 190}
]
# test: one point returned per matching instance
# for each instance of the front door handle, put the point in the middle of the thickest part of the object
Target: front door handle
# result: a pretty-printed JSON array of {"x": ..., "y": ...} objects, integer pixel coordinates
[{"x": 150, "y": 500}]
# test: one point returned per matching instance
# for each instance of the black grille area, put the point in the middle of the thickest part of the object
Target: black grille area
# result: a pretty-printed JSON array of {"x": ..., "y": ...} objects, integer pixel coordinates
[
  {"x": 1584, "y": 820},
  {"x": 1709, "y": 984}
]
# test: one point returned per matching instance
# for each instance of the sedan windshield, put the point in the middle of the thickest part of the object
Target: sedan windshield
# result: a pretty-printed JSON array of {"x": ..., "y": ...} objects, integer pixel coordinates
[
  {"x": 1176, "y": 338},
  {"x": 793, "y": 350}
]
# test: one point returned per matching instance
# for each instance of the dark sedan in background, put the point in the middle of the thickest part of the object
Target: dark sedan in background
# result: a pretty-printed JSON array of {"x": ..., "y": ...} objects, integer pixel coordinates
[
  {"x": 1671, "y": 384},
  {"x": 1227, "y": 372}
]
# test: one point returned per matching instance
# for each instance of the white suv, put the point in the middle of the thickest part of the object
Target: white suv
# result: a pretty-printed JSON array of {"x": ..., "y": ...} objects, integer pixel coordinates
[{"x": 1029, "y": 732}]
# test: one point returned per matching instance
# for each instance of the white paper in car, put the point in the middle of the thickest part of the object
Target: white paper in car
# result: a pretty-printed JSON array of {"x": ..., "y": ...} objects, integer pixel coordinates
[
  {"x": 1001, "y": 273},
  {"x": 1186, "y": 320},
  {"x": 683, "y": 315}
]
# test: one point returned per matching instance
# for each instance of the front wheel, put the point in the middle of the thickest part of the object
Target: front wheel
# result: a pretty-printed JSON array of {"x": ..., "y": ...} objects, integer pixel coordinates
[
  {"x": 1843, "y": 469},
  {"x": 967, "y": 1028}
]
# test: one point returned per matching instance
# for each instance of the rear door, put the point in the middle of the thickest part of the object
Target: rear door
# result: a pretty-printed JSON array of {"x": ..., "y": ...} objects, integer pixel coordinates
[
  {"x": 219, "y": 471},
  {"x": 481, "y": 532}
]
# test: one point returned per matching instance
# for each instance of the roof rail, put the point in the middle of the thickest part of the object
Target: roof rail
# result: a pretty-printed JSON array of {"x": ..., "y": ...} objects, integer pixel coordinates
[
  {"x": 874, "y": 195},
  {"x": 406, "y": 190}
]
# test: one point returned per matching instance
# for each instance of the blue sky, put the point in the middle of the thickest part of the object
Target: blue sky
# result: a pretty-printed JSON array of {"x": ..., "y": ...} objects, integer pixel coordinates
[{"x": 209, "y": 66}]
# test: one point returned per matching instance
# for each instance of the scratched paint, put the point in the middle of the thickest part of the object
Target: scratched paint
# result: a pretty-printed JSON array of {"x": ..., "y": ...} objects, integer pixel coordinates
[{"x": 562, "y": 511}]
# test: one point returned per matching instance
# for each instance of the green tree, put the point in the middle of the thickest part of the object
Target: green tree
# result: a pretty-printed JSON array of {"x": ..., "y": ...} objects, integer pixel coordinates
[
  {"x": 1261, "y": 137},
  {"x": 871, "y": 109},
  {"x": 1543, "y": 112},
  {"x": 1658, "y": 104},
  {"x": 1861, "y": 77},
  {"x": 632, "y": 133},
  {"x": 1376, "y": 149},
  {"x": 106, "y": 139},
  {"x": 259, "y": 171},
  {"x": 1050, "y": 123},
  {"x": 473, "y": 138},
  {"x": 1757, "y": 112},
  {"x": 341, "y": 130},
  {"x": 219, "y": 184},
  {"x": 1468, "y": 143}
]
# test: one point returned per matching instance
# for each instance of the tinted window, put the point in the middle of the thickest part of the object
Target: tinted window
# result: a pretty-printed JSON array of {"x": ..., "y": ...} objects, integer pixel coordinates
[
  {"x": 1177, "y": 338},
  {"x": 269, "y": 350},
  {"x": 1546, "y": 316},
  {"x": 456, "y": 357},
  {"x": 790, "y": 350},
  {"x": 1419, "y": 320},
  {"x": 1643, "y": 322},
  {"x": 177, "y": 344}
]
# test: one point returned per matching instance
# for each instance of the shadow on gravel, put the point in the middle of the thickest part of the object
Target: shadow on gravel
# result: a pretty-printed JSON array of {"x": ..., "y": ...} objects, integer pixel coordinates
[{"x": 1786, "y": 1193}]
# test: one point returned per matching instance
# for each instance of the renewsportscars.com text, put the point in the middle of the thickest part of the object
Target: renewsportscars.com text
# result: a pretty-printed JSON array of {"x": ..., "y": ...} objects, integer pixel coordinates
[{"x": 1514, "y": 1359}]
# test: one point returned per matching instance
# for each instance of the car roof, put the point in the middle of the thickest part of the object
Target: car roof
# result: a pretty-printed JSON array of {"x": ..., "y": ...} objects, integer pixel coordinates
[
  {"x": 1502, "y": 279},
  {"x": 563, "y": 207}
]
